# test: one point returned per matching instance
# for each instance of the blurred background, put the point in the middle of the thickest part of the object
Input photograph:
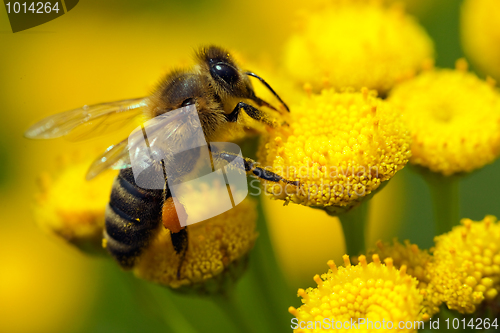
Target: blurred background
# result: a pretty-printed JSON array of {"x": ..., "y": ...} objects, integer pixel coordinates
[{"x": 104, "y": 51}]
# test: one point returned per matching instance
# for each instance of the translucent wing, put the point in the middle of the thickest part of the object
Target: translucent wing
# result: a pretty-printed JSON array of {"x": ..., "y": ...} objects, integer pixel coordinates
[
  {"x": 90, "y": 120},
  {"x": 115, "y": 157},
  {"x": 165, "y": 147},
  {"x": 139, "y": 145}
]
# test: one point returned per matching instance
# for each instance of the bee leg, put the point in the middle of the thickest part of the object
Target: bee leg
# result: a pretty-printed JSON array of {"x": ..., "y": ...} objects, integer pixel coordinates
[
  {"x": 251, "y": 111},
  {"x": 252, "y": 167},
  {"x": 180, "y": 243}
]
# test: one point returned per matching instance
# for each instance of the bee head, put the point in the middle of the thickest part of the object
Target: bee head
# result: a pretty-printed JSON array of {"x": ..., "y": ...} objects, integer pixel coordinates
[{"x": 223, "y": 72}]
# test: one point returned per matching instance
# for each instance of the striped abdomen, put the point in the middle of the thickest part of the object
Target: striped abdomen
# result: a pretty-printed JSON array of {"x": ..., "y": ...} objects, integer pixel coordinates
[{"x": 132, "y": 216}]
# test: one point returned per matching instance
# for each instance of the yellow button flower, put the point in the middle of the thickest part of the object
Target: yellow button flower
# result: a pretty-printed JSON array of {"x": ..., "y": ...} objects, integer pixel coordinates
[
  {"x": 356, "y": 44},
  {"x": 467, "y": 264},
  {"x": 417, "y": 263},
  {"x": 480, "y": 31},
  {"x": 406, "y": 254},
  {"x": 71, "y": 207},
  {"x": 374, "y": 292},
  {"x": 340, "y": 146},
  {"x": 216, "y": 256},
  {"x": 454, "y": 119}
]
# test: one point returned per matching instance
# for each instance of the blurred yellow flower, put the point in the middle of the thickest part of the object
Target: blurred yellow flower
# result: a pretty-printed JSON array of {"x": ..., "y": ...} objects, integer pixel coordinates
[
  {"x": 454, "y": 119},
  {"x": 357, "y": 44},
  {"x": 466, "y": 267},
  {"x": 363, "y": 293},
  {"x": 480, "y": 33},
  {"x": 320, "y": 239},
  {"x": 45, "y": 286},
  {"x": 71, "y": 207},
  {"x": 419, "y": 8},
  {"x": 339, "y": 146},
  {"x": 216, "y": 256}
]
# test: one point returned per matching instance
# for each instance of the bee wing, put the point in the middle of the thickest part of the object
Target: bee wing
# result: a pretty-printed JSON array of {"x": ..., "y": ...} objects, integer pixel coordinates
[
  {"x": 115, "y": 157},
  {"x": 91, "y": 120},
  {"x": 155, "y": 140},
  {"x": 118, "y": 156}
]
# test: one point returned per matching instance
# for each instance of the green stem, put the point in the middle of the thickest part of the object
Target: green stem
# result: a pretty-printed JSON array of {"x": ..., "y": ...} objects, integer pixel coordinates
[
  {"x": 155, "y": 300},
  {"x": 172, "y": 315},
  {"x": 269, "y": 277},
  {"x": 234, "y": 312},
  {"x": 158, "y": 300},
  {"x": 354, "y": 225},
  {"x": 446, "y": 201}
]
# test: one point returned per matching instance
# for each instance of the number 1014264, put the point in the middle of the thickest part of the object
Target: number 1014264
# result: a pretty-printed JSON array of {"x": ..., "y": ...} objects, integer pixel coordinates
[{"x": 32, "y": 7}]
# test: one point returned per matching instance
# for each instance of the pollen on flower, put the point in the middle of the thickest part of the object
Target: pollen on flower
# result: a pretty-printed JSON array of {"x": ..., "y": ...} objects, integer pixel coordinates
[
  {"x": 466, "y": 268},
  {"x": 340, "y": 146},
  {"x": 217, "y": 252},
  {"x": 70, "y": 206},
  {"x": 453, "y": 117},
  {"x": 373, "y": 291},
  {"x": 383, "y": 45}
]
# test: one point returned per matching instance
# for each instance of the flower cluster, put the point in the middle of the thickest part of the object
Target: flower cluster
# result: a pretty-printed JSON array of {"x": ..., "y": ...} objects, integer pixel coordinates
[
  {"x": 462, "y": 272},
  {"x": 338, "y": 146}
]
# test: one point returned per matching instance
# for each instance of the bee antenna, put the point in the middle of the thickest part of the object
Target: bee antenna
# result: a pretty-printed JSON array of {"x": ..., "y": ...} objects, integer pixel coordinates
[{"x": 268, "y": 87}]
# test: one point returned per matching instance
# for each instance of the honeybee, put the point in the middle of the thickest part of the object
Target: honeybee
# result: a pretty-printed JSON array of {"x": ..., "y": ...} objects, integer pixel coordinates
[{"x": 220, "y": 90}]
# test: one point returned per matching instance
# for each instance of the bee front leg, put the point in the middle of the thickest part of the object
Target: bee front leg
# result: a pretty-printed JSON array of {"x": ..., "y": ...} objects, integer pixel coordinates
[
  {"x": 252, "y": 112},
  {"x": 253, "y": 168}
]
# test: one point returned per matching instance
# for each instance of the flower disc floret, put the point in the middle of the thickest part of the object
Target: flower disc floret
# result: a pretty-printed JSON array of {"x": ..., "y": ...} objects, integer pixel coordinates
[
  {"x": 70, "y": 206},
  {"x": 466, "y": 267},
  {"x": 217, "y": 254},
  {"x": 454, "y": 119},
  {"x": 374, "y": 292},
  {"x": 340, "y": 147},
  {"x": 417, "y": 264}
]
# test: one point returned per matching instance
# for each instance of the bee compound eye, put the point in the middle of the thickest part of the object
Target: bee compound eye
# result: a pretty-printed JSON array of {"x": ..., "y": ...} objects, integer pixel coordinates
[
  {"x": 186, "y": 102},
  {"x": 225, "y": 72}
]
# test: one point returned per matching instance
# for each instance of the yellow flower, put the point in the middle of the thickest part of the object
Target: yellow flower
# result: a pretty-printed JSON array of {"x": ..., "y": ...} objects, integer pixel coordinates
[
  {"x": 408, "y": 255},
  {"x": 71, "y": 207},
  {"x": 466, "y": 267},
  {"x": 363, "y": 293},
  {"x": 480, "y": 32},
  {"x": 216, "y": 255},
  {"x": 454, "y": 119},
  {"x": 340, "y": 146},
  {"x": 417, "y": 264},
  {"x": 356, "y": 44}
]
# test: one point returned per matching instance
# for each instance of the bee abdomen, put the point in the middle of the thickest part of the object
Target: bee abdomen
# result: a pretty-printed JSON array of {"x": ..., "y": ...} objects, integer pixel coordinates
[{"x": 132, "y": 216}]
